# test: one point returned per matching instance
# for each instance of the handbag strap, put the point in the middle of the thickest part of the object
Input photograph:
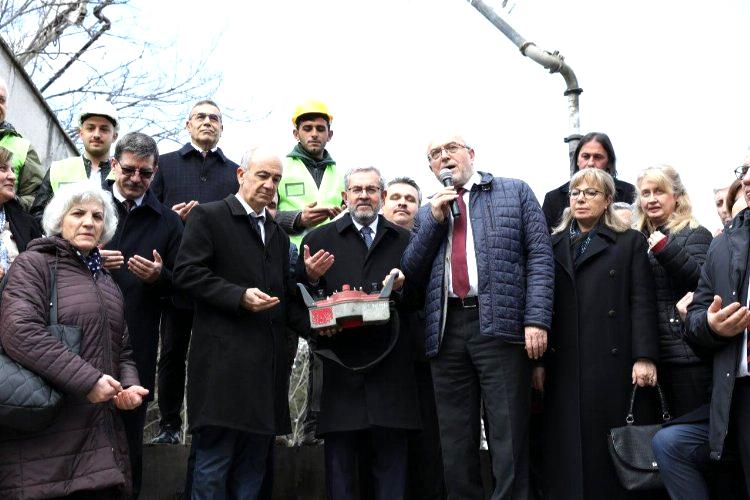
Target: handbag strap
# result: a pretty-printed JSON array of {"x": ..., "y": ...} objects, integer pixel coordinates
[
  {"x": 665, "y": 415},
  {"x": 53, "y": 291}
]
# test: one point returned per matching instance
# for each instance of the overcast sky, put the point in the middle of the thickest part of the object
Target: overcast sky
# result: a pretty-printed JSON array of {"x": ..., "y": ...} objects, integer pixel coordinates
[{"x": 668, "y": 80}]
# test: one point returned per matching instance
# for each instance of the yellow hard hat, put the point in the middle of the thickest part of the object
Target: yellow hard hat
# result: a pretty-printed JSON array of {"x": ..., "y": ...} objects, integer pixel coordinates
[{"x": 310, "y": 107}]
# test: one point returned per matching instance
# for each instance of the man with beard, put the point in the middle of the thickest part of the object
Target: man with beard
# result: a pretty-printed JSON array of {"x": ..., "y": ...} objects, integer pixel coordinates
[
  {"x": 141, "y": 257},
  {"x": 402, "y": 200},
  {"x": 98, "y": 125},
  {"x": 197, "y": 173},
  {"x": 368, "y": 396},
  {"x": 310, "y": 192}
]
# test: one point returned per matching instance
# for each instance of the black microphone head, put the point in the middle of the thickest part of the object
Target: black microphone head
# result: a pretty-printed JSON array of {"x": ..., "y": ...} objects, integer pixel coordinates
[{"x": 445, "y": 174}]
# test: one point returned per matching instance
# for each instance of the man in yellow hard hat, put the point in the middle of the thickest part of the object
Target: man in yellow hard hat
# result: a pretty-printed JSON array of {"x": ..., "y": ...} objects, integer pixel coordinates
[
  {"x": 98, "y": 124},
  {"x": 310, "y": 191},
  {"x": 25, "y": 162}
]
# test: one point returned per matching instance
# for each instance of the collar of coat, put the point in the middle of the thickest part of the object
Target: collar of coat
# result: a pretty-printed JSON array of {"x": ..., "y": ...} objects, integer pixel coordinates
[
  {"x": 237, "y": 210},
  {"x": 345, "y": 221},
  {"x": 188, "y": 149},
  {"x": 149, "y": 199}
]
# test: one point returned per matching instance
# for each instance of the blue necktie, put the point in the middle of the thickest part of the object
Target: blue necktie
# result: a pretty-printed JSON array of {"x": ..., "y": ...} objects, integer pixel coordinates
[{"x": 366, "y": 235}]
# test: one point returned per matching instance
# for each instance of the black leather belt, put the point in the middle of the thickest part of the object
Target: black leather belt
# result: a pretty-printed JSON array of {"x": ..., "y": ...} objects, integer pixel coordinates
[{"x": 465, "y": 303}]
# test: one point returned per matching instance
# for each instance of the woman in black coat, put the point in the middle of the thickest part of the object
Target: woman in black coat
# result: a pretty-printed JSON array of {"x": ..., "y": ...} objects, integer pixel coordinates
[
  {"x": 678, "y": 246},
  {"x": 594, "y": 150},
  {"x": 603, "y": 339}
]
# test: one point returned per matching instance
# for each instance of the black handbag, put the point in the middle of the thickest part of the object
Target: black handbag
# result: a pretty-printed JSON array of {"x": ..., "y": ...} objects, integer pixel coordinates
[
  {"x": 27, "y": 402},
  {"x": 631, "y": 452}
]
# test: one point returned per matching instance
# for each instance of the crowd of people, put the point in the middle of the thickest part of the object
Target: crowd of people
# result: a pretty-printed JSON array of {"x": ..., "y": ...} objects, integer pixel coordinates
[{"x": 187, "y": 270}]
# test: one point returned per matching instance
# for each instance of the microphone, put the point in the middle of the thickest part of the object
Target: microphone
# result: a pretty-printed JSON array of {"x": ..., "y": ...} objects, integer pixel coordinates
[{"x": 446, "y": 177}]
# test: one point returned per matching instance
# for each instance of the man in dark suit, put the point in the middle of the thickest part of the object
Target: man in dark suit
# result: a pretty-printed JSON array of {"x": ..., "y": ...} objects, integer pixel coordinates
[
  {"x": 234, "y": 262},
  {"x": 368, "y": 397},
  {"x": 197, "y": 173},
  {"x": 141, "y": 257}
]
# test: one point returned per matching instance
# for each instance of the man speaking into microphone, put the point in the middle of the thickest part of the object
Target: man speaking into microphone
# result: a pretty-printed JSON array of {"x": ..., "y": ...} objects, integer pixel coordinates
[{"x": 489, "y": 278}]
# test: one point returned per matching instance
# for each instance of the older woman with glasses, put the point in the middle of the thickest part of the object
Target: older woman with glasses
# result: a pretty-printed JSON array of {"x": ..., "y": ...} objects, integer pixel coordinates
[
  {"x": 677, "y": 251},
  {"x": 83, "y": 453},
  {"x": 603, "y": 339}
]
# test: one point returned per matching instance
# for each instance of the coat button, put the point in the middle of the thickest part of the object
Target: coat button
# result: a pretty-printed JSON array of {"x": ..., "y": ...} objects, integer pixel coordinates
[
  {"x": 611, "y": 313},
  {"x": 671, "y": 320},
  {"x": 612, "y": 273},
  {"x": 614, "y": 351}
]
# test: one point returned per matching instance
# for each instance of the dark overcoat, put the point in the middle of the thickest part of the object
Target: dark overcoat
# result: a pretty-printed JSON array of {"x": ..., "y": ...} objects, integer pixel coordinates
[
  {"x": 604, "y": 319},
  {"x": 238, "y": 369},
  {"x": 148, "y": 227},
  {"x": 386, "y": 394}
]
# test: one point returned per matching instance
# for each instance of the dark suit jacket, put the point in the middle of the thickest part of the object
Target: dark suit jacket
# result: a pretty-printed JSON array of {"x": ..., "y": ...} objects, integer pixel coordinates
[
  {"x": 386, "y": 394},
  {"x": 558, "y": 200},
  {"x": 238, "y": 371},
  {"x": 151, "y": 226},
  {"x": 23, "y": 227},
  {"x": 185, "y": 175}
]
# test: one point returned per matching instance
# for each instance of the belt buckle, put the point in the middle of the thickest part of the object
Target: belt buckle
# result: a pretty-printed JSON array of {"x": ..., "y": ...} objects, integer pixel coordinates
[{"x": 469, "y": 303}]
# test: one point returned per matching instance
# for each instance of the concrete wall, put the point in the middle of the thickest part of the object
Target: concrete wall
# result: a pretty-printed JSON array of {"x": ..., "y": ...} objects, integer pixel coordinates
[{"x": 30, "y": 114}]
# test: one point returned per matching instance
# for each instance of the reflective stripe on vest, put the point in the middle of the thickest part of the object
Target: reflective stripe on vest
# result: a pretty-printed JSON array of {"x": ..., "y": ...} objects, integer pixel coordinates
[
  {"x": 297, "y": 189},
  {"x": 69, "y": 171},
  {"x": 20, "y": 148}
]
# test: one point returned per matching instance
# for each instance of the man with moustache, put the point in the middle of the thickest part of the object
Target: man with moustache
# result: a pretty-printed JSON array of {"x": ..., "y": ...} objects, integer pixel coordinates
[
  {"x": 489, "y": 280},
  {"x": 234, "y": 262},
  {"x": 402, "y": 200},
  {"x": 98, "y": 124},
  {"x": 310, "y": 192},
  {"x": 26, "y": 166},
  {"x": 368, "y": 395},
  {"x": 717, "y": 321},
  {"x": 199, "y": 172},
  {"x": 141, "y": 257}
]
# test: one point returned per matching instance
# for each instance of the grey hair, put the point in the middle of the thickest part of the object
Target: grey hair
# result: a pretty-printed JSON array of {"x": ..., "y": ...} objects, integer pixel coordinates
[
  {"x": 70, "y": 195},
  {"x": 139, "y": 145},
  {"x": 200, "y": 103},
  {"x": 359, "y": 170},
  {"x": 601, "y": 179},
  {"x": 251, "y": 156}
]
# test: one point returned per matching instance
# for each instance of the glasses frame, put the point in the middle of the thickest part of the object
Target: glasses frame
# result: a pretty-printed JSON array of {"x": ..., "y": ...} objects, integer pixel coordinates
[
  {"x": 585, "y": 192},
  {"x": 741, "y": 171},
  {"x": 436, "y": 153},
  {"x": 357, "y": 190},
  {"x": 201, "y": 117},
  {"x": 143, "y": 174}
]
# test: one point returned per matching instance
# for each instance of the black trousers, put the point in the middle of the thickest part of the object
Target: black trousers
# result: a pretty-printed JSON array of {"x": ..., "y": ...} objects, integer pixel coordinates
[
  {"x": 686, "y": 387},
  {"x": 388, "y": 456},
  {"x": 471, "y": 368},
  {"x": 134, "y": 420},
  {"x": 425, "y": 457},
  {"x": 739, "y": 424},
  {"x": 175, "y": 328}
]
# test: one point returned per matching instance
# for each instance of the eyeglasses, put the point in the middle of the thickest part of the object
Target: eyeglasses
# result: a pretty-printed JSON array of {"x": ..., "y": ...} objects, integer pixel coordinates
[
  {"x": 370, "y": 190},
  {"x": 589, "y": 193},
  {"x": 130, "y": 172},
  {"x": 200, "y": 117},
  {"x": 741, "y": 171},
  {"x": 450, "y": 148}
]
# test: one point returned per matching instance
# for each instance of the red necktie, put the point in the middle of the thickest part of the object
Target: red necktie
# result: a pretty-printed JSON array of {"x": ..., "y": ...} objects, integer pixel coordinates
[
  {"x": 129, "y": 204},
  {"x": 459, "y": 269}
]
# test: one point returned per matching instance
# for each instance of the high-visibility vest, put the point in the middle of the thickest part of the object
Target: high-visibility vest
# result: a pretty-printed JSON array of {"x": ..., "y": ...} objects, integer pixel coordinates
[
  {"x": 69, "y": 171},
  {"x": 297, "y": 189},
  {"x": 20, "y": 149}
]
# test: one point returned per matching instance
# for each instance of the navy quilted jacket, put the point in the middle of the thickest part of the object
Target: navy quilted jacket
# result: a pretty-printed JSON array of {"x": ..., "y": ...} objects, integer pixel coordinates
[{"x": 514, "y": 262}]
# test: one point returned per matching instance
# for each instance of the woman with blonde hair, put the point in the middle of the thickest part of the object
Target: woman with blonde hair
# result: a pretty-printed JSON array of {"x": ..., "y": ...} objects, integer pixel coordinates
[
  {"x": 603, "y": 339},
  {"x": 677, "y": 251}
]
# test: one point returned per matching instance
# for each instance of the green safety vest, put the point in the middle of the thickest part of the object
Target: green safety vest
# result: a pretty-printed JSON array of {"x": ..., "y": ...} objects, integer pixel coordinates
[
  {"x": 20, "y": 148},
  {"x": 69, "y": 171},
  {"x": 297, "y": 189}
]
